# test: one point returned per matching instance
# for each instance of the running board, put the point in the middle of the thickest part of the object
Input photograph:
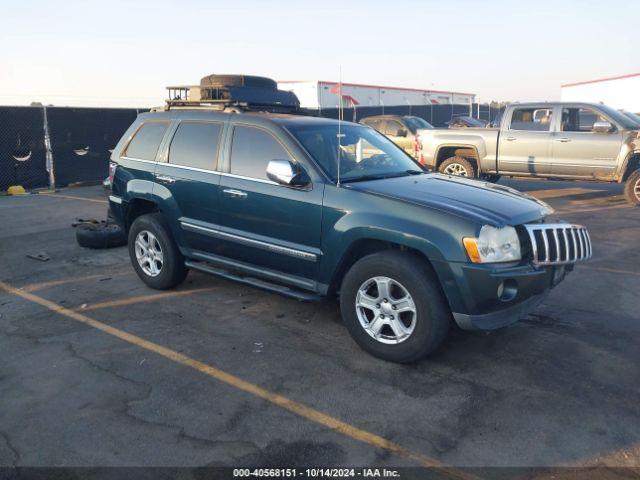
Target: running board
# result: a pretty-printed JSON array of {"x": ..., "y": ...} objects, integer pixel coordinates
[{"x": 254, "y": 282}]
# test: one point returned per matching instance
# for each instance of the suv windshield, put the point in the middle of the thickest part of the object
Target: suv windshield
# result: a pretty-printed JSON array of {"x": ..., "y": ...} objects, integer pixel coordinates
[
  {"x": 415, "y": 123},
  {"x": 633, "y": 116},
  {"x": 364, "y": 154}
]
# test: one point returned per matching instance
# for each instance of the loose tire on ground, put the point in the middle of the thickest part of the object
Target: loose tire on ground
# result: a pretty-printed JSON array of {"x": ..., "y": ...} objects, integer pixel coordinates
[
  {"x": 632, "y": 188},
  {"x": 458, "y": 166},
  {"x": 100, "y": 235},
  {"x": 172, "y": 270},
  {"x": 432, "y": 313}
]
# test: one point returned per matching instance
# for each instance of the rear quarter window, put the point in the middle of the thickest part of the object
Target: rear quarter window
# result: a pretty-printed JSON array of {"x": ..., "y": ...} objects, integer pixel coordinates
[{"x": 146, "y": 141}]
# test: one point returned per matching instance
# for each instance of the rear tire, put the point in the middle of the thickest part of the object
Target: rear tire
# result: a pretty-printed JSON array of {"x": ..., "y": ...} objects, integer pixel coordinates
[
  {"x": 458, "y": 166},
  {"x": 411, "y": 285},
  {"x": 154, "y": 254},
  {"x": 632, "y": 188}
]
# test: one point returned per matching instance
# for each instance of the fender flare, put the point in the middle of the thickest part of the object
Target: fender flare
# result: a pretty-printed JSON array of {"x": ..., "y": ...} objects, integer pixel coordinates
[
  {"x": 625, "y": 164},
  {"x": 458, "y": 145}
]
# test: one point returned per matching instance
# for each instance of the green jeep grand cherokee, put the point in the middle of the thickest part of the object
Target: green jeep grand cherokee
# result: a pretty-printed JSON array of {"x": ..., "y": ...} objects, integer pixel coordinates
[{"x": 308, "y": 207}]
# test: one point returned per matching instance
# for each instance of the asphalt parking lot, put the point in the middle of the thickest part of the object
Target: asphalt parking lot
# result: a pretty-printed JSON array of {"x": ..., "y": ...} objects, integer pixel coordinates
[{"x": 96, "y": 369}]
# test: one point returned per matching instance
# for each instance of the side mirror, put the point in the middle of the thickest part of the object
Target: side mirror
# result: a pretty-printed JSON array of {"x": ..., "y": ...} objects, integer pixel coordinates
[
  {"x": 401, "y": 133},
  {"x": 287, "y": 173},
  {"x": 602, "y": 127}
]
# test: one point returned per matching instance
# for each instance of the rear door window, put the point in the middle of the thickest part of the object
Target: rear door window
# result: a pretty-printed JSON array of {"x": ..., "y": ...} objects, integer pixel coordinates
[
  {"x": 145, "y": 143},
  {"x": 532, "y": 119},
  {"x": 251, "y": 151},
  {"x": 195, "y": 144},
  {"x": 391, "y": 128}
]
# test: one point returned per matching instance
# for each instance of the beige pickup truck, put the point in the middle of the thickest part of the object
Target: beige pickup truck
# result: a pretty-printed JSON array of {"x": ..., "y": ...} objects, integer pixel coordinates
[{"x": 579, "y": 141}]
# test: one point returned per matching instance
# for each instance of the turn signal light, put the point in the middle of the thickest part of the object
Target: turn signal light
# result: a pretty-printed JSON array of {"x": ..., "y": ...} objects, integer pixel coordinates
[{"x": 471, "y": 246}]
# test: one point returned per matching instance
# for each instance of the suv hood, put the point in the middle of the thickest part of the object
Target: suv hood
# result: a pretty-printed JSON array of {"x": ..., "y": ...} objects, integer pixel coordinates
[{"x": 480, "y": 201}]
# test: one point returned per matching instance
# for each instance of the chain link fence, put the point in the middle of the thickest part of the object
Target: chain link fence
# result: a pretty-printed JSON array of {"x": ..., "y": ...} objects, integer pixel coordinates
[
  {"x": 437, "y": 115},
  {"x": 22, "y": 149},
  {"x": 79, "y": 144},
  {"x": 80, "y": 140}
]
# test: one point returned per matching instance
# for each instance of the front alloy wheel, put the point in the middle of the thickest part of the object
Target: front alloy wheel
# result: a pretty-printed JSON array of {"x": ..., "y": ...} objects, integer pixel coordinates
[
  {"x": 386, "y": 310},
  {"x": 393, "y": 306}
]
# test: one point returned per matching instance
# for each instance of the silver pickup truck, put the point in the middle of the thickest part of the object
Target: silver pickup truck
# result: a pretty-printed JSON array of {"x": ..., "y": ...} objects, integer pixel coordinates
[{"x": 557, "y": 140}]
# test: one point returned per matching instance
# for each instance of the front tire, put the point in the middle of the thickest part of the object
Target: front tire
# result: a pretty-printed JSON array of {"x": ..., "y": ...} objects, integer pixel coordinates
[
  {"x": 393, "y": 306},
  {"x": 154, "y": 254},
  {"x": 458, "y": 166},
  {"x": 632, "y": 188}
]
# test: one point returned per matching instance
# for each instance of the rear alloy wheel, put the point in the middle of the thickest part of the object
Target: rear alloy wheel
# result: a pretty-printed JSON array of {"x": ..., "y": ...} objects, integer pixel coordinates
[
  {"x": 393, "y": 306},
  {"x": 632, "y": 188},
  {"x": 459, "y": 166},
  {"x": 154, "y": 254},
  {"x": 149, "y": 253}
]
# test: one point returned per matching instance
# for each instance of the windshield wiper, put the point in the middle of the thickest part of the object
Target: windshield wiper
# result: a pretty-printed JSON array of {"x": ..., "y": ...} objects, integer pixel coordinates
[
  {"x": 364, "y": 178},
  {"x": 381, "y": 176}
]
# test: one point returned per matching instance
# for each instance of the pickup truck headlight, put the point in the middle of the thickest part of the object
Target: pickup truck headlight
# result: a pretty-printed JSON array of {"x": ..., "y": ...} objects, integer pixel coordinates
[{"x": 494, "y": 245}]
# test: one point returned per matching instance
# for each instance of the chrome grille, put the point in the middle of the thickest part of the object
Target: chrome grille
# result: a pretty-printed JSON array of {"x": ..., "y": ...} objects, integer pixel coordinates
[{"x": 558, "y": 243}]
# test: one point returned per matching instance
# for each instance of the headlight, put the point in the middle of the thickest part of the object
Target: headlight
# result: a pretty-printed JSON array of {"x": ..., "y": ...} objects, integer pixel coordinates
[{"x": 494, "y": 245}]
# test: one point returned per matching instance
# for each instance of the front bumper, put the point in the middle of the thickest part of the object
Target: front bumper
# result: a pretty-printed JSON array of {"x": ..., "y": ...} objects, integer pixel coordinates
[
  {"x": 499, "y": 318},
  {"x": 486, "y": 297}
]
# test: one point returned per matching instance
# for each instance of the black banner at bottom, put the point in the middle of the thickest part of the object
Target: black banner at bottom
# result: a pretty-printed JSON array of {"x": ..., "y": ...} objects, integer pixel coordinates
[{"x": 404, "y": 473}]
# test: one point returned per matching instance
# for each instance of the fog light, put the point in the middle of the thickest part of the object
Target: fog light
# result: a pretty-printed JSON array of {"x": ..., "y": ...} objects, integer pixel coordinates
[{"x": 507, "y": 290}]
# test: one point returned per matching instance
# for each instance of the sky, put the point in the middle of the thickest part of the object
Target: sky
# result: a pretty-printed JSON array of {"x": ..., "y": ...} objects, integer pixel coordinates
[{"x": 124, "y": 53}]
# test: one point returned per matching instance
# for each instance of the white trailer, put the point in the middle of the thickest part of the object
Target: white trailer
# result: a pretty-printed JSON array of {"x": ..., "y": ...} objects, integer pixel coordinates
[
  {"x": 621, "y": 92},
  {"x": 319, "y": 94}
]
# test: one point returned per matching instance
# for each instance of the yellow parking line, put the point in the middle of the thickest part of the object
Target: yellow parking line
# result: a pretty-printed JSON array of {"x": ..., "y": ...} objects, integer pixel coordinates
[
  {"x": 39, "y": 286},
  {"x": 597, "y": 209},
  {"x": 561, "y": 192},
  {"x": 281, "y": 401},
  {"x": 142, "y": 299},
  {"x": 612, "y": 270},
  {"x": 73, "y": 197}
]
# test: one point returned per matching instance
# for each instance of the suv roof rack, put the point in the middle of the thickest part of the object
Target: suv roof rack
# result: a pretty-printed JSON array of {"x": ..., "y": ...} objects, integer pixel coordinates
[{"x": 236, "y": 93}]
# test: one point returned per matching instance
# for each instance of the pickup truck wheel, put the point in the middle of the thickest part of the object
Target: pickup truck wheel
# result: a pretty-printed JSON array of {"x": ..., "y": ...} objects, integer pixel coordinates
[
  {"x": 393, "y": 307},
  {"x": 457, "y": 166},
  {"x": 632, "y": 188},
  {"x": 154, "y": 254}
]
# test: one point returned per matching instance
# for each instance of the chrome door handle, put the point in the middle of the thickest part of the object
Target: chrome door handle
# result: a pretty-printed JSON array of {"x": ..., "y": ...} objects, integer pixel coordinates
[
  {"x": 563, "y": 139},
  {"x": 510, "y": 139},
  {"x": 229, "y": 192},
  {"x": 165, "y": 179}
]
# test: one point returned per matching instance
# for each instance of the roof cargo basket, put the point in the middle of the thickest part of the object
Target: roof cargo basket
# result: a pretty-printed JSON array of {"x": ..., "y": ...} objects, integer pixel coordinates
[{"x": 236, "y": 92}]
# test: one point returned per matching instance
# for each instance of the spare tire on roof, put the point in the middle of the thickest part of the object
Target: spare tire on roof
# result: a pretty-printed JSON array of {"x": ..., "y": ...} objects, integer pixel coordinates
[{"x": 220, "y": 81}]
